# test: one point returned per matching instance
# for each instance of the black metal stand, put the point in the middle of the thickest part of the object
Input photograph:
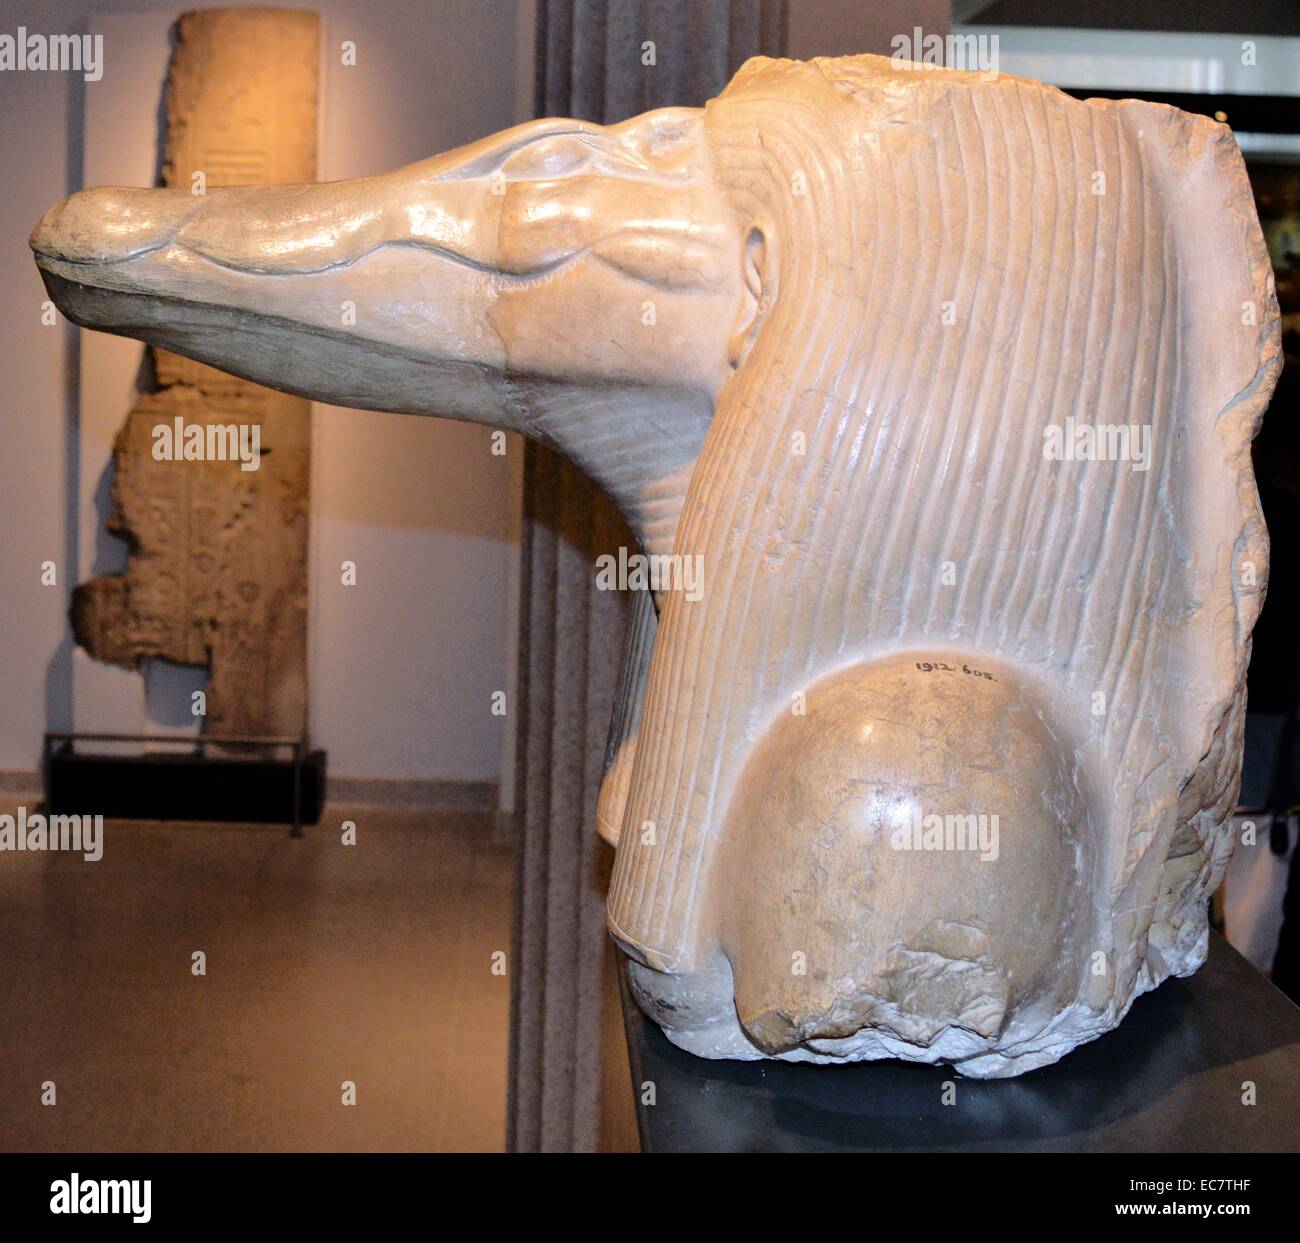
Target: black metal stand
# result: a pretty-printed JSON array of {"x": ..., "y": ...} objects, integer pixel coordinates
[
  {"x": 1175, "y": 1076},
  {"x": 186, "y": 784}
]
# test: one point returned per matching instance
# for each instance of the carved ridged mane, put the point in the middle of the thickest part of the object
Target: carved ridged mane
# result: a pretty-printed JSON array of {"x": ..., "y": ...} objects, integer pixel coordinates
[{"x": 924, "y": 445}]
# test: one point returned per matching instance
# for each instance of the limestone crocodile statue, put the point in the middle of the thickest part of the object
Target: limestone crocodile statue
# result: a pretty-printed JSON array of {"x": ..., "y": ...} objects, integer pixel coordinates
[{"x": 950, "y": 382}]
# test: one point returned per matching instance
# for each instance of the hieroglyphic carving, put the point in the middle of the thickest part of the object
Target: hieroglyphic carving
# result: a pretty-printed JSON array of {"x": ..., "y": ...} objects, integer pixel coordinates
[{"x": 218, "y": 569}]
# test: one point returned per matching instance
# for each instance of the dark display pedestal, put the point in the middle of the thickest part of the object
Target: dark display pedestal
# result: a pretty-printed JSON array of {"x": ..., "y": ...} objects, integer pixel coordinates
[
  {"x": 1168, "y": 1079},
  {"x": 195, "y": 784}
]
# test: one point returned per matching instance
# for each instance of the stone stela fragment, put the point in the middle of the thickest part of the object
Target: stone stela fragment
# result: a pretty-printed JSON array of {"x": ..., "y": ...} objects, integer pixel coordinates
[{"x": 215, "y": 506}]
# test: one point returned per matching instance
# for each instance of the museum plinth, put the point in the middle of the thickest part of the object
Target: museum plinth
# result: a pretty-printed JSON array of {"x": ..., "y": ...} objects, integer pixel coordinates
[{"x": 1171, "y": 1078}]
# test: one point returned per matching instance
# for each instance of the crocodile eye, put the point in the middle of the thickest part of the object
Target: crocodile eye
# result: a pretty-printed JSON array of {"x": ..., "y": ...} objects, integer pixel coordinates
[{"x": 559, "y": 155}]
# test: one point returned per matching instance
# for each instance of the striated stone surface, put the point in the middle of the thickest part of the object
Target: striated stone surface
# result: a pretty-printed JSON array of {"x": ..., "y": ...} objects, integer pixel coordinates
[
  {"x": 217, "y": 573},
  {"x": 968, "y": 272},
  {"x": 948, "y": 385}
]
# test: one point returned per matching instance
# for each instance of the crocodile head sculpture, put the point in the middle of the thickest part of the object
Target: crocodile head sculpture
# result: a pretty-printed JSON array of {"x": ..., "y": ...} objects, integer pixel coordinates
[{"x": 950, "y": 382}]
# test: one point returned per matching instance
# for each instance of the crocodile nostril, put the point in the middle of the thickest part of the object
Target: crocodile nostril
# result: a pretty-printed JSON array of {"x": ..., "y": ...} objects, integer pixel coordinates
[{"x": 110, "y": 224}]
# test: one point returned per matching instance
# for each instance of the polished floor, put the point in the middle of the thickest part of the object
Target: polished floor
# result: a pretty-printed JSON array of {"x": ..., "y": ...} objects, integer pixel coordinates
[{"x": 326, "y": 964}]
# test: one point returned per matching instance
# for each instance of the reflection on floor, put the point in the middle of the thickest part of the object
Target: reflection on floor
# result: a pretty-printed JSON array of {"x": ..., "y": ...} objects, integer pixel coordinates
[{"x": 326, "y": 964}]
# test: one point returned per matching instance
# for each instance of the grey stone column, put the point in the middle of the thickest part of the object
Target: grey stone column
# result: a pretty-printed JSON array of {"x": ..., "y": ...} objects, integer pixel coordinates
[{"x": 590, "y": 66}]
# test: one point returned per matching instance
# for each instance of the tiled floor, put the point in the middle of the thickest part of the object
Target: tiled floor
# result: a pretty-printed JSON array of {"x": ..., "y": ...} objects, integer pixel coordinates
[{"x": 326, "y": 963}]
